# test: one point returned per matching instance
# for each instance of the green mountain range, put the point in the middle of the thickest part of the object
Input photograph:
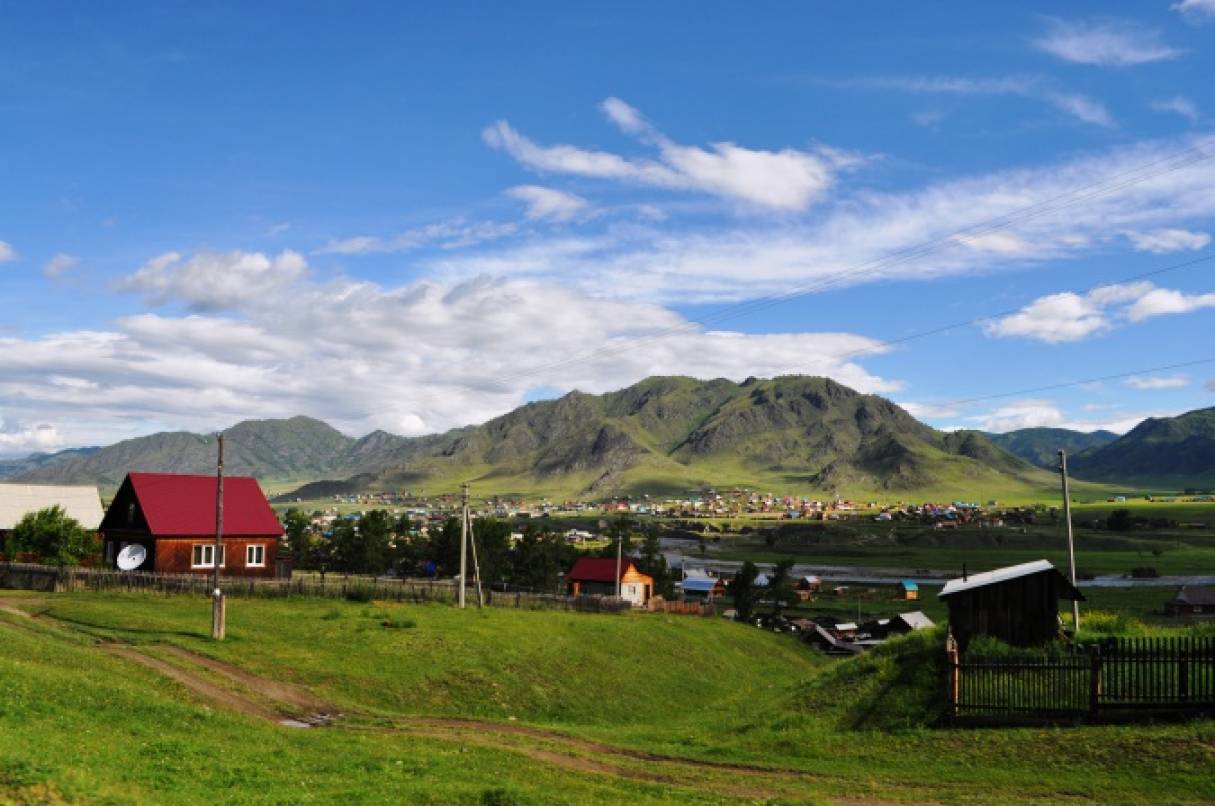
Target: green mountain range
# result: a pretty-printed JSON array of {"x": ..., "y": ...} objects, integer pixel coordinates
[
  {"x": 1165, "y": 452},
  {"x": 667, "y": 435},
  {"x": 1041, "y": 446}
]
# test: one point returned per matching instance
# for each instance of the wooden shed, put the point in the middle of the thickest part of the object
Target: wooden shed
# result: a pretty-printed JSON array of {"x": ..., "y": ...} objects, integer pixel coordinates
[
  {"x": 173, "y": 517},
  {"x": 597, "y": 575},
  {"x": 1018, "y": 604},
  {"x": 1192, "y": 601}
]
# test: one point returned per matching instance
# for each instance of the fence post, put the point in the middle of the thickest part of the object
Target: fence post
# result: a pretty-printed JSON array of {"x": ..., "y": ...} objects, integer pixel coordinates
[
  {"x": 1183, "y": 672},
  {"x": 1094, "y": 687},
  {"x": 954, "y": 687}
]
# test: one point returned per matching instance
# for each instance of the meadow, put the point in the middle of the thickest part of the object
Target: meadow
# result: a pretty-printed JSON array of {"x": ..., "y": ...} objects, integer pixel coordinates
[{"x": 107, "y": 699}]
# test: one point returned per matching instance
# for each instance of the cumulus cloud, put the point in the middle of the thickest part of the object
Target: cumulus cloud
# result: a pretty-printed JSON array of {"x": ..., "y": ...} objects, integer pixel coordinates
[
  {"x": 1178, "y": 105},
  {"x": 1158, "y": 381},
  {"x": 1195, "y": 10},
  {"x": 1163, "y": 241},
  {"x": 1107, "y": 43},
  {"x": 548, "y": 203},
  {"x": 454, "y": 234},
  {"x": 1069, "y": 316},
  {"x": 7, "y": 253},
  {"x": 418, "y": 358},
  {"x": 1033, "y": 413},
  {"x": 59, "y": 265},
  {"x": 17, "y": 439},
  {"x": 788, "y": 179},
  {"x": 216, "y": 280}
]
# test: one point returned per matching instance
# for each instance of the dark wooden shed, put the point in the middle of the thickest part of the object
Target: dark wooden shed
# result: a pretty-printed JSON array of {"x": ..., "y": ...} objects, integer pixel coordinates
[{"x": 1019, "y": 604}]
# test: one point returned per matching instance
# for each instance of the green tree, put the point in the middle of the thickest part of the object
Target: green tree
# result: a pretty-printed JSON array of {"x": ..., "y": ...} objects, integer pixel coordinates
[
  {"x": 298, "y": 528},
  {"x": 1120, "y": 520},
  {"x": 652, "y": 561},
  {"x": 54, "y": 537},
  {"x": 780, "y": 586},
  {"x": 744, "y": 591},
  {"x": 363, "y": 546}
]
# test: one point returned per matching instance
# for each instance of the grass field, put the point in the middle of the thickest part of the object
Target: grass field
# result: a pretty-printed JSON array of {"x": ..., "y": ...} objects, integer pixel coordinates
[{"x": 572, "y": 708}]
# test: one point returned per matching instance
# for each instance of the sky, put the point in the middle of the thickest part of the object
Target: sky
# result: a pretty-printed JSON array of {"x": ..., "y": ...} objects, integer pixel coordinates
[{"x": 412, "y": 217}]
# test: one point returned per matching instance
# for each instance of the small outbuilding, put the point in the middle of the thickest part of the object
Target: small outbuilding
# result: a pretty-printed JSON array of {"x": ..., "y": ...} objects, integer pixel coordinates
[
  {"x": 703, "y": 587},
  {"x": 1018, "y": 604},
  {"x": 909, "y": 590},
  {"x": 173, "y": 517},
  {"x": 592, "y": 576},
  {"x": 1192, "y": 600}
]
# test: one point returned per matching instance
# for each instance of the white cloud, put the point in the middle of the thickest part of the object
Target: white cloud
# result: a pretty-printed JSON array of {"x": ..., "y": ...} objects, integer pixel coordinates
[
  {"x": 1107, "y": 43},
  {"x": 1161, "y": 301},
  {"x": 1178, "y": 104},
  {"x": 1078, "y": 106},
  {"x": 413, "y": 359},
  {"x": 788, "y": 179},
  {"x": 999, "y": 243},
  {"x": 548, "y": 203},
  {"x": 1158, "y": 382},
  {"x": 1032, "y": 413},
  {"x": 7, "y": 253},
  {"x": 1195, "y": 10},
  {"x": 59, "y": 265},
  {"x": 19, "y": 440},
  {"x": 1210, "y": 385},
  {"x": 1163, "y": 241},
  {"x": 454, "y": 234},
  {"x": 1072, "y": 317},
  {"x": 216, "y": 280}
]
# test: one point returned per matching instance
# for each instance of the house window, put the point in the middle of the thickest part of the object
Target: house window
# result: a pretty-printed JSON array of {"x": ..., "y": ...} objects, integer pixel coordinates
[
  {"x": 204, "y": 556},
  {"x": 255, "y": 556}
]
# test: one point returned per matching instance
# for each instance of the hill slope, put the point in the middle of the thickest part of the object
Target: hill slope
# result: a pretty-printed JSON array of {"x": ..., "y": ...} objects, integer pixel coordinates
[
  {"x": 1041, "y": 446},
  {"x": 1166, "y": 451}
]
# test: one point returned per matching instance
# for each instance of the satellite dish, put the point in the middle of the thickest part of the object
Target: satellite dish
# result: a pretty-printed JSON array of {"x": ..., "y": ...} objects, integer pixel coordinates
[{"x": 132, "y": 557}]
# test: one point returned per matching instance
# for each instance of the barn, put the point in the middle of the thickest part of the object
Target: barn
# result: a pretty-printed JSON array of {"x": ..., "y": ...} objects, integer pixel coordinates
[
  {"x": 597, "y": 576},
  {"x": 1018, "y": 604},
  {"x": 81, "y": 503},
  {"x": 173, "y": 517}
]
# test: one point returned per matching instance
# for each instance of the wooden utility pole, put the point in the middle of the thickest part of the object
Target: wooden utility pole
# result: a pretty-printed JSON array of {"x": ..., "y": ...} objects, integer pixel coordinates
[
  {"x": 1071, "y": 546},
  {"x": 463, "y": 540},
  {"x": 218, "y": 606},
  {"x": 619, "y": 551}
]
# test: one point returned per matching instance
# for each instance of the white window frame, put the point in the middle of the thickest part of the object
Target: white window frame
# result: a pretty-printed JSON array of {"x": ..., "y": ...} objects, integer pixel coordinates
[
  {"x": 261, "y": 549},
  {"x": 207, "y": 549}
]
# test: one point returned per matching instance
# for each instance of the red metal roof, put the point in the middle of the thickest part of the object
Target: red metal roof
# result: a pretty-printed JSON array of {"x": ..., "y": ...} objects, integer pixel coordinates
[
  {"x": 179, "y": 505},
  {"x": 597, "y": 569}
]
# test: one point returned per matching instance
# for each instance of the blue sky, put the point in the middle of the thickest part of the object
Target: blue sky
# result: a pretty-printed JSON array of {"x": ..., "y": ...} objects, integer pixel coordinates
[{"x": 414, "y": 218}]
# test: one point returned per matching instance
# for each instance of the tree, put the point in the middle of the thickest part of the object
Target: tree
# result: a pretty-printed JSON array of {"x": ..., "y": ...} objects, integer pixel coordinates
[
  {"x": 780, "y": 585},
  {"x": 743, "y": 589},
  {"x": 298, "y": 528},
  {"x": 362, "y": 547},
  {"x": 53, "y": 536},
  {"x": 1120, "y": 520},
  {"x": 653, "y": 562}
]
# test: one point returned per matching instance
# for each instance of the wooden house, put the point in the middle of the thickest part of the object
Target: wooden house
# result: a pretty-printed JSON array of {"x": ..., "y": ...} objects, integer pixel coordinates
[
  {"x": 703, "y": 587},
  {"x": 909, "y": 590},
  {"x": 1192, "y": 600},
  {"x": 1018, "y": 605},
  {"x": 592, "y": 576},
  {"x": 81, "y": 503},
  {"x": 173, "y": 517}
]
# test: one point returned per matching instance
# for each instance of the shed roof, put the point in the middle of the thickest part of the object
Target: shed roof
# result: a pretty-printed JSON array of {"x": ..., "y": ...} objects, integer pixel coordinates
[
  {"x": 80, "y": 503},
  {"x": 180, "y": 505},
  {"x": 598, "y": 569},
  {"x": 909, "y": 585},
  {"x": 973, "y": 581},
  {"x": 916, "y": 620},
  {"x": 1191, "y": 595},
  {"x": 699, "y": 584}
]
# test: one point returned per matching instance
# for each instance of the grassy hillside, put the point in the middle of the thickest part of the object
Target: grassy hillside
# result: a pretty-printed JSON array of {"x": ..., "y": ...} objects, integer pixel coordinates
[
  {"x": 1041, "y": 446},
  {"x": 1165, "y": 452},
  {"x": 573, "y": 708}
]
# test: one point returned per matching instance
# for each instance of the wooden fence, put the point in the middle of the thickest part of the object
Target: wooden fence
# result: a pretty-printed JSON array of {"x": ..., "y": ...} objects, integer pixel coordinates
[
  {"x": 30, "y": 576},
  {"x": 1116, "y": 676}
]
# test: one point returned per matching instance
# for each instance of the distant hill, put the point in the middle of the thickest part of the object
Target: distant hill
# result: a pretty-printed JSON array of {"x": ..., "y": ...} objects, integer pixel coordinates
[
  {"x": 662, "y": 435},
  {"x": 1172, "y": 452},
  {"x": 1041, "y": 446}
]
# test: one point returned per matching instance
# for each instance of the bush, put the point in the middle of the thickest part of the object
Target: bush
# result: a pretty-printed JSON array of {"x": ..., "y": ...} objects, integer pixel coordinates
[
  {"x": 359, "y": 594},
  {"x": 53, "y": 536}
]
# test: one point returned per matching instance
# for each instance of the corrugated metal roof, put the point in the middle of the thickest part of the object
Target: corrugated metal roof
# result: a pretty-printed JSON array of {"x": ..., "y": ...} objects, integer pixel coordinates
[
  {"x": 699, "y": 584},
  {"x": 597, "y": 569},
  {"x": 993, "y": 577},
  {"x": 81, "y": 503},
  {"x": 179, "y": 505},
  {"x": 916, "y": 620},
  {"x": 909, "y": 585}
]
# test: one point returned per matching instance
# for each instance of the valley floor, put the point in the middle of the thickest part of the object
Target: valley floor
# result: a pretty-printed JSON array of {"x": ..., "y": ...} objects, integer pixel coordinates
[{"x": 123, "y": 698}]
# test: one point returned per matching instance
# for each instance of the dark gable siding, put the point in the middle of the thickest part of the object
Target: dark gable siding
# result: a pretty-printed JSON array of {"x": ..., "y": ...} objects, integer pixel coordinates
[{"x": 1022, "y": 611}]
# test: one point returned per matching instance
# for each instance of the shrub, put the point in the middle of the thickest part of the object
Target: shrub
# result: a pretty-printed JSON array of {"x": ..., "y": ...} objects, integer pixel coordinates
[{"x": 359, "y": 594}]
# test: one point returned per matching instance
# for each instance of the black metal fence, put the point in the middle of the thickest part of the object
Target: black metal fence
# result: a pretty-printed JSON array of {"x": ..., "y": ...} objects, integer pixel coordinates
[
  {"x": 29, "y": 576},
  {"x": 1117, "y": 675}
]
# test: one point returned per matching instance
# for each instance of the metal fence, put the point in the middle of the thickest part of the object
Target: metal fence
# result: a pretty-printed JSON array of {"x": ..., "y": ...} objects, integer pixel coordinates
[
  {"x": 30, "y": 576},
  {"x": 1118, "y": 675}
]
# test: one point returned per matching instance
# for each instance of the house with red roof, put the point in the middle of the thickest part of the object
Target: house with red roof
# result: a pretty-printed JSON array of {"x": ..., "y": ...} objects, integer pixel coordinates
[
  {"x": 596, "y": 576},
  {"x": 172, "y": 516}
]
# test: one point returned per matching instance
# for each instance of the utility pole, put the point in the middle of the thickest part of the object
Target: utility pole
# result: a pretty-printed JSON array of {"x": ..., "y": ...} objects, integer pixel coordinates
[
  {"x": 619, "y": 551},
  {"x": 463, "y": 540},
  {"x": 218, "y": 606},
  {"x": 1071, "y": 546}
]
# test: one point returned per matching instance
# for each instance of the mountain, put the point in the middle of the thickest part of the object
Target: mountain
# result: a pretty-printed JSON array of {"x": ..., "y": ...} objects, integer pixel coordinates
[
  {"x": 26, "y": 464},
  {"x": 1171, "y": 452},
  {"x": 1040, "y": 446},
  {"x": 674, "y": 434},
  {"x": 661, "y": 435}
]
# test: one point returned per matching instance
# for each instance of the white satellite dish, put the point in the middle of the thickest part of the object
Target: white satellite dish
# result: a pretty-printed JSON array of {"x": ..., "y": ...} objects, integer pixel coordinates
[{"x": 132, "y": 557}]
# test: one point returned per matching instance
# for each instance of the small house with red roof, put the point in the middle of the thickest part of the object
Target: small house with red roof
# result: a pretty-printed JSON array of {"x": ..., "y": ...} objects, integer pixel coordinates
[
  {"x": 592, "y": 576},
  {"x": 172, "y": 516}
]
